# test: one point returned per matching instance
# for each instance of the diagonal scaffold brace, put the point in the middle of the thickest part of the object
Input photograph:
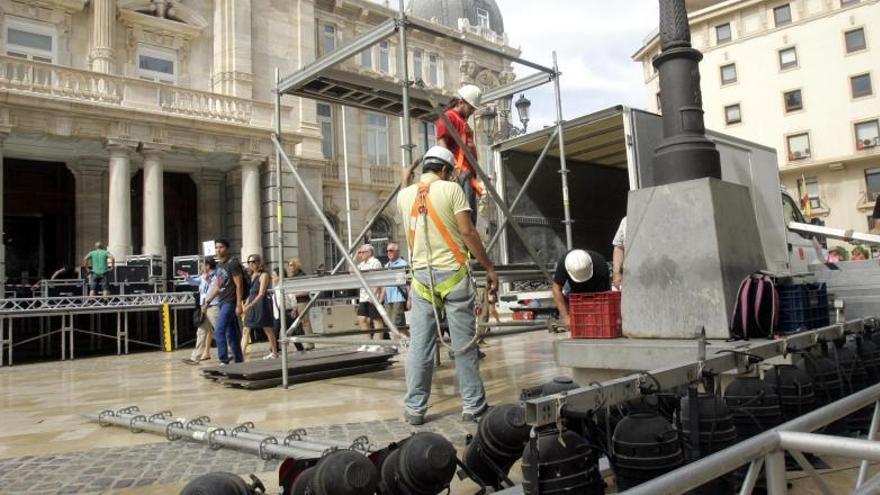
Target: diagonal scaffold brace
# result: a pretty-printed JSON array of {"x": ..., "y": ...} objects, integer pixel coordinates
[
  {"x": 491, "y": 189},
  {"x": 336, "y": 240}
]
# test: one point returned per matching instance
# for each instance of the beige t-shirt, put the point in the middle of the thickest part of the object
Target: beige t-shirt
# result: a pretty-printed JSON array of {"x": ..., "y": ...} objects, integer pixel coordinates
[{"x": 447, "y": 198}]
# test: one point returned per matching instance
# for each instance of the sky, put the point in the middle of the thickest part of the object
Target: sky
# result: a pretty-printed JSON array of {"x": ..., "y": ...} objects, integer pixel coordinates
[{"x": 594, "y": 41}]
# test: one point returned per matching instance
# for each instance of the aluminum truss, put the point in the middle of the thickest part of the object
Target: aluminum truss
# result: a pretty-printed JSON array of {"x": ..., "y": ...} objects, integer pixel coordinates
[
  {"x": 71, "y": 306},
  {"x": 303, "y": 83}
]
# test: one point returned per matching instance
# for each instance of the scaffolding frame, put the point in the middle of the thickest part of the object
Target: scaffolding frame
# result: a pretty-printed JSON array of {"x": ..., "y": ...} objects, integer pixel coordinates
[{"x": 298, "y": 83}]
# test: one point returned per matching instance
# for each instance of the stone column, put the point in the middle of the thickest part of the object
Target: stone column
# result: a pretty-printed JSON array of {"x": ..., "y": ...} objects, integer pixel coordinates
[
  {"x": 154, "y": 202},
  {"x": 209, "y": 188},
  {"x": 3, "y": 136},
  {"x": 251, "y": 220},
  {"x": 90, "y": 175},
  {"x": 103, "y": 19},
  {"x": 119, "y": 211},
  {"x": 233, "y": 67}
]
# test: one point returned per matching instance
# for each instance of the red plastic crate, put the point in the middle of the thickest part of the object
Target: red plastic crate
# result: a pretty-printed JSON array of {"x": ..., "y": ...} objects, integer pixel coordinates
[
  {"x": 523, "y": 314},
  {"x": 595, "y": 315}
]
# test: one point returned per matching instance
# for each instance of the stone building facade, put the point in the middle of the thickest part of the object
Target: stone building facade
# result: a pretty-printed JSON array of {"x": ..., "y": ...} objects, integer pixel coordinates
[
  {"x": 801, "y": 76},
  {"x": 146, "y": 124}
]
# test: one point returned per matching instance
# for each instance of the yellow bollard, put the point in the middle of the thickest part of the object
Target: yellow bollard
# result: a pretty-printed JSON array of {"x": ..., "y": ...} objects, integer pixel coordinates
[{"x": 166, "y": 326}]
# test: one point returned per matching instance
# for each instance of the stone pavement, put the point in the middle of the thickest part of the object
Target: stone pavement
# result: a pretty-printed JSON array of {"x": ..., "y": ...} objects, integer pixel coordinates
[{"x": 112, "y": 469}]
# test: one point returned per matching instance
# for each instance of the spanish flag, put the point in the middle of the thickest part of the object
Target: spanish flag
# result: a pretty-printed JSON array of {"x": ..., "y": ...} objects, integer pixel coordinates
[{"x": 805, "y": 197}]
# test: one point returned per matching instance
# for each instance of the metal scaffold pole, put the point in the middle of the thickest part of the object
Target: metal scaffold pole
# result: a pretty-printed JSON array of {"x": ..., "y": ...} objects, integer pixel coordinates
[
  {"x": 329, "y": 228},
  {"x": 279, "y": 212},
  {"x": 491, "y": 190},
  {"x": 347, "y": 183},
  {"x": 341, "y": 262},
  {"x": 403, "y": 55},
  {"x": 563, "y": 168}
]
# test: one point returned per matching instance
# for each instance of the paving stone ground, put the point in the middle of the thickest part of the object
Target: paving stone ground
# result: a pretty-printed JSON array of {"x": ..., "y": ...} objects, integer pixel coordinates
[{"x": 111, "y": 469}]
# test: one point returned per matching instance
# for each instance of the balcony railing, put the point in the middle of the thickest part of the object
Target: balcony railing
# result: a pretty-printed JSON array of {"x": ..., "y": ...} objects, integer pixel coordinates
[
  {"x": 384, "y": 174},
  {"x": 38, "y": 78},
  {"x": 331, "y": 171},
  {"x": 48, "y": 79}
]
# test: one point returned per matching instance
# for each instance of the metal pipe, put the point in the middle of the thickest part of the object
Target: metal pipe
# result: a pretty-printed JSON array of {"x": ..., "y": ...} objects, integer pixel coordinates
[
  {"x": 544, "y": 410},
  {"x": 519, "y": 85},
  {"x": 806, "y": 466},
  {"x": 487, "y": 183},
  {"x": 774, "y": 467},
  {"x": 341, "y": 54},
  {"x": 341, "y": 262},
  {"x": 872, "y": 434},
  {"x": 522, "y": 189},
  {"x": 871, "y": 487},
  {"x": 404, "y": 84},
  {"x": 715, "y": 465},
  {"x": 345, "y": 342},
  {"x": 514, "y": 331},
  {"x": 752, "y": 476},
  {"x": 214, "y": 435},
  {"x": 347, "y": 183},
  {"x": 563, "y": 168},
  {"x": 329, "y": 227},
  {"x": 282, "y": 312},
  {"x": 826, "y": 444}
]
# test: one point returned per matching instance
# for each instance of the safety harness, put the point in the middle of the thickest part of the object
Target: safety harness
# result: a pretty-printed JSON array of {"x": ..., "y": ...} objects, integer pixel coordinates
[
  {"x": 463, "y": 168},
  {"x": 422, "y": 207}
]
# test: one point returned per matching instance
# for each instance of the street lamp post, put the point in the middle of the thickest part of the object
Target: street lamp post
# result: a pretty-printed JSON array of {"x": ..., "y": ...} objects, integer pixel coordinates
[{"x": 489, "y": 118}]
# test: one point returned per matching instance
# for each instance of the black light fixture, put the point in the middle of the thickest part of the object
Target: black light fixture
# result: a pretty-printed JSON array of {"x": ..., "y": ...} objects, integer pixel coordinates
[
  {"x": 523, "y": 105},
  {"x": 488, "y": 117}
]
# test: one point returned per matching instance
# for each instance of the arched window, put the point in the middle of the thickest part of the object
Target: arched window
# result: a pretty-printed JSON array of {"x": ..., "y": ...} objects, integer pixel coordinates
[
  {"x": 380, "y": 236},
  {"x": 331, "y": 252}
]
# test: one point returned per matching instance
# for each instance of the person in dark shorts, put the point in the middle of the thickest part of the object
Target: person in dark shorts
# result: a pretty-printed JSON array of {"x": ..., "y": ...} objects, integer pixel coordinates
[
  {"x": 99, "y": 262},
  {"x": 366, "y": 312},
  {"x": 258, "y": 308},
  {"x": 579, "y": 271}
]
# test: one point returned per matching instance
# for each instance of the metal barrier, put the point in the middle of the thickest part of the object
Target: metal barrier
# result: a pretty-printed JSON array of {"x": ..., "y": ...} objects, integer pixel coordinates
[{"x": 768, "y": 450}]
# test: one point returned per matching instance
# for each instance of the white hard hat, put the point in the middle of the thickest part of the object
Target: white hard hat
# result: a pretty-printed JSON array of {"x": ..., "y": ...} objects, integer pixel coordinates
[
  {"x": 471, "y": 94},
  {"x": 579, "y": 265},
  {"x": 438, "y": 154}
]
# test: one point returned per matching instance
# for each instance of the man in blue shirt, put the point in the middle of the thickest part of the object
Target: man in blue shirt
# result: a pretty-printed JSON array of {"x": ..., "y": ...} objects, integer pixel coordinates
[
  {"x": 204, "y": 334},
  {"x": 395, "y": 297}
]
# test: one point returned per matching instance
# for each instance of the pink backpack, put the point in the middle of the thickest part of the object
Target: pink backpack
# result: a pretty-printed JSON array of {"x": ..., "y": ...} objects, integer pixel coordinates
[{"x": 756, "y": 311}]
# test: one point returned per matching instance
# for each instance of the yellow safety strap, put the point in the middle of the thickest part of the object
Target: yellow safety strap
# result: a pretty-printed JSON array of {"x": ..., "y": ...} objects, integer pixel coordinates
[{"x": 441, "y": 290}]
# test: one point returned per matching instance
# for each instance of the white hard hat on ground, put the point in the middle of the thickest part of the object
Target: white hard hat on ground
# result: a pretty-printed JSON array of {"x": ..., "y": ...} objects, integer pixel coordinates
[
  {"x": 438, "y": 154},
  {"x": 471, "y": 94},
  {"x": 579, "y": 265}
]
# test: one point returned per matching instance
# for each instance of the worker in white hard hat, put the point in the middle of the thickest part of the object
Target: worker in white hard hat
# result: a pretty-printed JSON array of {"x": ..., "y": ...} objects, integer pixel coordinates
[
  {"x": 441, "y": 237},
  {"x": 578, "y": 271},
  {"x": 463, "y": 105}
]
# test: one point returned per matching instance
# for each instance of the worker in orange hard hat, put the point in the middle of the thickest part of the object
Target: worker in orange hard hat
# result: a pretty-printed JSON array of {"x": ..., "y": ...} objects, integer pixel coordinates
[{"x": 463, "y": 105}]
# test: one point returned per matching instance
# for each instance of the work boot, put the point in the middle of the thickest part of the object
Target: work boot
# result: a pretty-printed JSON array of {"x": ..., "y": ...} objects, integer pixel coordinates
[
  {"x": 413, "y": 419},
  {"x": 474, "y": 417}
]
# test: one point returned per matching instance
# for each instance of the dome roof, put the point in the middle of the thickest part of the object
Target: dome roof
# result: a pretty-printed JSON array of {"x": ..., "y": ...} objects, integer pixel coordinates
[{"x": 448, "y": 12}]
